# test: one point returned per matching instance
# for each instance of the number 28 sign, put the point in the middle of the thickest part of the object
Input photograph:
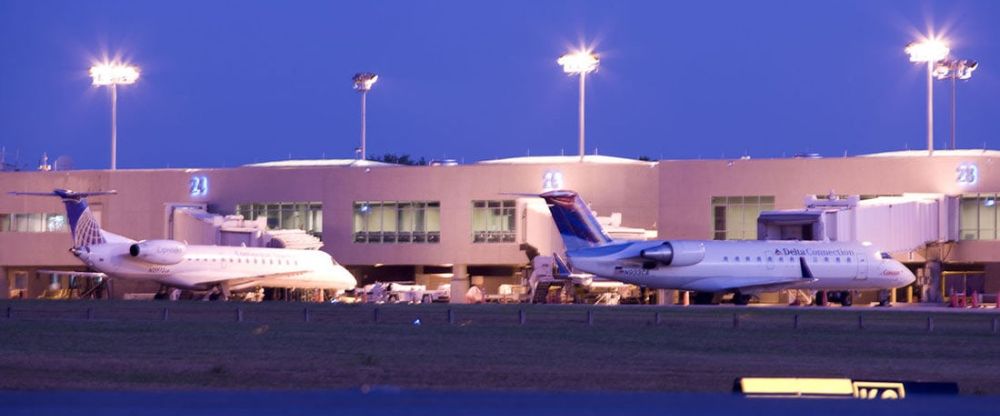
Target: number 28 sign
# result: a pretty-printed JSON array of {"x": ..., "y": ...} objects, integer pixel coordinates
[{"x": 967, "y": 174}]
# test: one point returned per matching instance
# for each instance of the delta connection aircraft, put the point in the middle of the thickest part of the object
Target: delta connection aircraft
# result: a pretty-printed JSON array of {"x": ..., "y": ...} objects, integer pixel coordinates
[
  {"x": 175, "y": 264},
  {"x": 743, "y": 268}
]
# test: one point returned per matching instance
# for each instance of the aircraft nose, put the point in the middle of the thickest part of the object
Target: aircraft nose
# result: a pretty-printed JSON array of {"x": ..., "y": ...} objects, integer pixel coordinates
[
  {"x": 349, "y": 280},
  {"x": 908, "y": 277}
]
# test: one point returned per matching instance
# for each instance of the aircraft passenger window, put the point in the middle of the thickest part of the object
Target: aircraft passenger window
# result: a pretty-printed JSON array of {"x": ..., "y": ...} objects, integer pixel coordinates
[
  {"x": 769, "y": 258},
  {"x": 736, "y": 258},
  {"x": 815, "y": 259},
  {"x": 758, "y": 259},
  {"x": 826, "y": 259},
  {"x": 747, "y": 258},
  {"x": 781, "y": 259},
  {"x": 848, "y": 259},
  {"x": 838, "y": 259},
  {"x": 725, "y": 258}
]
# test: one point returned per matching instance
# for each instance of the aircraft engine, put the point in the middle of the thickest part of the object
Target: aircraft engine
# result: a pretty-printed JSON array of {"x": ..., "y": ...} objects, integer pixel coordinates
[
  {"x": 158, "y": 251},
  {"x": 677, "y": 253}
]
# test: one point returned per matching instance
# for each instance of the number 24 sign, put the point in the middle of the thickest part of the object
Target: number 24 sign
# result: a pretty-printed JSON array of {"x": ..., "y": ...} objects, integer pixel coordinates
[{"x": 198, "y": 186}]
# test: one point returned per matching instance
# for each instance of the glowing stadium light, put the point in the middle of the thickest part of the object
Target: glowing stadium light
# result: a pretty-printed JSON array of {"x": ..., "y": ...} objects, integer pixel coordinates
[
  {"x": 580, "y": 63},
  {"x": 929, "y": 51},
  {"x": 113, "y": 74}
]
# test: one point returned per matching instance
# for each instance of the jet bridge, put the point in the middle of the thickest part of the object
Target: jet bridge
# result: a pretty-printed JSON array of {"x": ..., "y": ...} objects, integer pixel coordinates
[
  {"x": 896, "y": 224},
  {"x": 195, "y": 225}
]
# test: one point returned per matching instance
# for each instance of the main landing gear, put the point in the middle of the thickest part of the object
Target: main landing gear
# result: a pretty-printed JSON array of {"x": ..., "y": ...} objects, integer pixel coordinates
[
  {"x": 844, "y": 298},
  {"x": 741, "y": 299},
  {"x": 219, "y": 292}
]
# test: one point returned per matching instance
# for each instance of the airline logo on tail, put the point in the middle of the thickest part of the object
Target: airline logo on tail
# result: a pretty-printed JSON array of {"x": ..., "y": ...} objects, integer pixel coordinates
[
  {"x": 576, "y": 223},
  {"x": 86, "y": 232}
]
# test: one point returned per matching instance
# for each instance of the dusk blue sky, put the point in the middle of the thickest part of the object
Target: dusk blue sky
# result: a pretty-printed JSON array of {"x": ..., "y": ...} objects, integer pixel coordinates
[{"x": 226, "y": 83}]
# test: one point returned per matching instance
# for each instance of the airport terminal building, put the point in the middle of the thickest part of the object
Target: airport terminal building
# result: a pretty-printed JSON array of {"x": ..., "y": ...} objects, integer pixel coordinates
[{"x": 470, "y": 223}]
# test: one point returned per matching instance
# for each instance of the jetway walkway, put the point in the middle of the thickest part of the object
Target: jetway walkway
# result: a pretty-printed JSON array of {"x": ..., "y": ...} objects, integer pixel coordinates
[
  {"x": 896, "y": 224},
  {"x": 195, "y": 225}
]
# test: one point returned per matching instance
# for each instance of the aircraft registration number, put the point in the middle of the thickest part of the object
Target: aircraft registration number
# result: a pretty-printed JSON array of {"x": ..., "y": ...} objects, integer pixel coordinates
[{"x": 631, "y": 271}]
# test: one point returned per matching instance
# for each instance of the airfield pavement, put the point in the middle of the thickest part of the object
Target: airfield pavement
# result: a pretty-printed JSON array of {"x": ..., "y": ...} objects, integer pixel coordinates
[{"x": 115, "y": 345}]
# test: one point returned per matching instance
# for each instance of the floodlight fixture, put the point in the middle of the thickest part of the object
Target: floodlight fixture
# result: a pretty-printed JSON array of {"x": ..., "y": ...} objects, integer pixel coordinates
[
  {"x": 113, "y": 74},
  {"x": 954, "y": 69},
  {"x": 929, "y": 51},
  {"x": 580, "y": 63},
  {"x": 363, "y": 82}
]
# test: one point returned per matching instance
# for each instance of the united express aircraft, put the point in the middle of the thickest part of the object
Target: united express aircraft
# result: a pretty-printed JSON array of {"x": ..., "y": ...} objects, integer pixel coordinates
[
  {"x": 743, "y": 268},
  {"x": 195, "y": 267}
]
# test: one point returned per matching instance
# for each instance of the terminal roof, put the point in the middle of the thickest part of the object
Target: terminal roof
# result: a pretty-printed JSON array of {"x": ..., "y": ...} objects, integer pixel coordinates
[
  {"x": 319, "y": 163},
  {"x": 923, "y": 153},
  {"x": 598, "y": 159}
]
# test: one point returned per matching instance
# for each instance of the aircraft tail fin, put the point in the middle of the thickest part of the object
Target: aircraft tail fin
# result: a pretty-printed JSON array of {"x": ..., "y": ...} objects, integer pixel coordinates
[
  {"x": 82, "y": 225},
  {"x": 577, "y": 224}
]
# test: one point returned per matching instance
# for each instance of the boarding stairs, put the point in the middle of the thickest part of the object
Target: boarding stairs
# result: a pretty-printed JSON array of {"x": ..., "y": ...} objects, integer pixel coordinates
[{"x": 540, "y": 290}]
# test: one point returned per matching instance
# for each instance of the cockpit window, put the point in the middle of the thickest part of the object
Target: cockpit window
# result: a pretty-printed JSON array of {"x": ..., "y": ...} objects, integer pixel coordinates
[{"x": 885, "y": 255}]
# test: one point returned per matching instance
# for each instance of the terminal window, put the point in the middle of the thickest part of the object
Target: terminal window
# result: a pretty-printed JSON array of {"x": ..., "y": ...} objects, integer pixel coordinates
[
  {"x": 978, "y": 218},
  {"x": 397, "y": 222},
  {"x": 735, "y": 217},
  {"x": 33, "y": 223},
  {"x": 494, "y": 221},
  {"x": 306, "y": 216}
]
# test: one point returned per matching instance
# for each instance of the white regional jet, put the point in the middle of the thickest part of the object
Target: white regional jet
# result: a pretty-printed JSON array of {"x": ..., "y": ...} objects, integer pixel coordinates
[
  {"x": 743, "y": 268},
  {"x": 175, "y": 264}
]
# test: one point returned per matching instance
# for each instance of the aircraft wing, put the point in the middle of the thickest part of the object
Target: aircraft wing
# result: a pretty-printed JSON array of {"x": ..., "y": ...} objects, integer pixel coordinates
[
  {"x": 71, "y": 272},
  {"x": 751, "y": 284},
  {"x": 748, "y": 284},
  {"x": 236, "y": 280}
]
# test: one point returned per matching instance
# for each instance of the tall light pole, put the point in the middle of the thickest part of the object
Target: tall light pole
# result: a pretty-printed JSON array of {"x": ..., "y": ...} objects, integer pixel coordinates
[
  {"x": 580, "y": 63},
  {"x": 954, "y": 69},
  {"x": 363, "y": 82},
  {"x": 112, "y": 74},
  {"x": 928, "y": 51}
]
